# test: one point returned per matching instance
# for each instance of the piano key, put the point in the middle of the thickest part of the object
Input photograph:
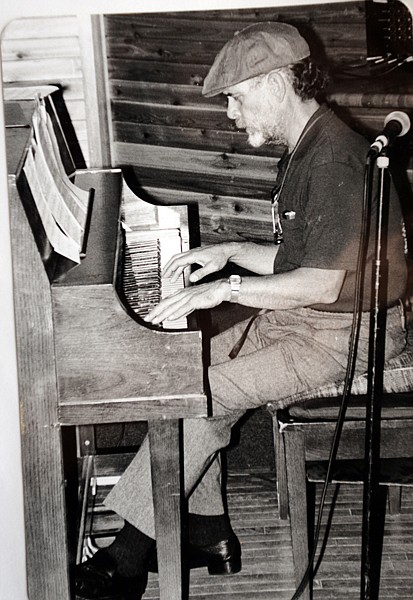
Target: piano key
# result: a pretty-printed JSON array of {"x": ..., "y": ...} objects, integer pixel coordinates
[{"x": 146, "y": 255}]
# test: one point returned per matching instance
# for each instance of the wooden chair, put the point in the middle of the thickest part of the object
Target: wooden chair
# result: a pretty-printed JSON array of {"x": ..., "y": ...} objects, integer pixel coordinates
[{"x": 303, "y": 436}]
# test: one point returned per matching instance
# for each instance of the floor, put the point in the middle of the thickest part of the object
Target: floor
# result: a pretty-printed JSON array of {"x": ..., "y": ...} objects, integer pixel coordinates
[{"x": 266, "y": 547}]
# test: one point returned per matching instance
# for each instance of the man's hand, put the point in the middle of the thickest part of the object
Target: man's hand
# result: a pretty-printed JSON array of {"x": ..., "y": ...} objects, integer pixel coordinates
[
  {"x": 181, "y": 304},
  {"x": 210, "y": 258}
]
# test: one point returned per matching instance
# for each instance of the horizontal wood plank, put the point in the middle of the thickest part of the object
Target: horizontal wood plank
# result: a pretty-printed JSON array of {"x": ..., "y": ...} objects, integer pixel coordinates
[
  {"x": 175, "y": 49},
  {"x": 164, "y": 72},
  {"x": 199, "y": 171},
  {"x": 223, "y": 23},
  {"x": 161, "y": 93},
  {"x": 131, "y": 409},
  {"x": 348, "y": 12},
  {"x": 213, "y": 184},
  {"x": 41, "y": 27},
  {"x": 188, "y": 73},
  {"x": 209, "y": 203},
  {"x": 178, "y": 44},
  {"x": 176, "y": 116},
  {"x": 51, "y": 69},
  {"x": 191, "y": 126},
  {"x": 229, "y": 142},
  {"x": 358, "y": 90},
  {"x": 255, "y": 168},
  {"x": 43, "y": 48}
]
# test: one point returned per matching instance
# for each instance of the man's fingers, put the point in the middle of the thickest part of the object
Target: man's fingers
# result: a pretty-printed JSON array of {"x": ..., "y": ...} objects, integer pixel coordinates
[
  {"x": 201, "y": 273},
  {"x": 171, "y": 308}
]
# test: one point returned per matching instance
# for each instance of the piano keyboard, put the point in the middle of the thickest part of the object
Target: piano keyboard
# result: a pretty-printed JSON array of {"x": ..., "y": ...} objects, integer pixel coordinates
[{"x": 146, "y": 255}]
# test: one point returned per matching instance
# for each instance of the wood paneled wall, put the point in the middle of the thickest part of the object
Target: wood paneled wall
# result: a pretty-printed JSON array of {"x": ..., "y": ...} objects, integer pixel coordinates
[
  {"x": 48, "y": 50},
  {"x": 176, "y": 145},
  {"x": 179, "y": 146}
]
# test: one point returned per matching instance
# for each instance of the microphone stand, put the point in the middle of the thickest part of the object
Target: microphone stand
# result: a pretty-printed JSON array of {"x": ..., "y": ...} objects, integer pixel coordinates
[{"x": 370, "y": 577}]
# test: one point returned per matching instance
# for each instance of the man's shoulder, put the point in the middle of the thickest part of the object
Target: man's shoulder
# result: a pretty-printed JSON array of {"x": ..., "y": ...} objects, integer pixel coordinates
[{"x": 336, "y": 142}]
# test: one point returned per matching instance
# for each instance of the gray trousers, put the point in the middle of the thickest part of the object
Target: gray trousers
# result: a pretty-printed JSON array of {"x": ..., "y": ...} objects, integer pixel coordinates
[{"x": 286, "y": 352}]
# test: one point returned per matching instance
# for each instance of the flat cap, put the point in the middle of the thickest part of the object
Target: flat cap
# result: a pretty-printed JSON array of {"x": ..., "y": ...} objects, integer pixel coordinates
[{"x": 255, "y": 50}]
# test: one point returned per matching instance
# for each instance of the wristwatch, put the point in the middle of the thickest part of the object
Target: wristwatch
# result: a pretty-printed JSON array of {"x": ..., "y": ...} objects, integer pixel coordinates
[{"x": 235, "y": 284}]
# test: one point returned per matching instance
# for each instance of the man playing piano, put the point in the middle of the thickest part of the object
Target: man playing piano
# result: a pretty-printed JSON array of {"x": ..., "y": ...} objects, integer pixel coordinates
[{"x": 304, "y": 283}]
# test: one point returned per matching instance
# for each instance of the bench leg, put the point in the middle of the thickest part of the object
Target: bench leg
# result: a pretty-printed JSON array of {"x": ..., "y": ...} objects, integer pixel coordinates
[
  {"x": 297, "y": 495},
  {"x": 282, "y": 492}
]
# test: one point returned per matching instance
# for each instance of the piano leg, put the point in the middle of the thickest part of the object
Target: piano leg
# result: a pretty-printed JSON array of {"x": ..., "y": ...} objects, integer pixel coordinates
[{"x": 166, "y": 484}]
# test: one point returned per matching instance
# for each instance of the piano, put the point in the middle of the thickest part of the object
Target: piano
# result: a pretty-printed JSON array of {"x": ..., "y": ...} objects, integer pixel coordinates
[{"x": 85, "y": 355}]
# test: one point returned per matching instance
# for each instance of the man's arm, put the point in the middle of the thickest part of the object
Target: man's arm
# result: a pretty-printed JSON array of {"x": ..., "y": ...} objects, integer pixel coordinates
[
  {"x": 253, "y": 257},
  {"x": 295, "y": 289}
]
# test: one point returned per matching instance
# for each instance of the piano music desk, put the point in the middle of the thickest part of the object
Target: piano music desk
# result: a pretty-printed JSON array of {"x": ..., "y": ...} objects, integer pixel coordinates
[{"x": 84, "y": 359}]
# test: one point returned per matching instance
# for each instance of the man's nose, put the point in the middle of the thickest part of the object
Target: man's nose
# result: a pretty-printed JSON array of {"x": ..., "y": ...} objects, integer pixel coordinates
[{"x": 232, "y": 109}]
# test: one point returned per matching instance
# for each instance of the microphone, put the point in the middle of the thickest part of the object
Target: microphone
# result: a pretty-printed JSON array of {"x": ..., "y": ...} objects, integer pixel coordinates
[{"x": 396, "y": 124}]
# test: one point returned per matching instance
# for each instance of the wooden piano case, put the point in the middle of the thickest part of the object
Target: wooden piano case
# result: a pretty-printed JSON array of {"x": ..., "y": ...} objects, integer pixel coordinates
[{"x": 84, "y": 359}]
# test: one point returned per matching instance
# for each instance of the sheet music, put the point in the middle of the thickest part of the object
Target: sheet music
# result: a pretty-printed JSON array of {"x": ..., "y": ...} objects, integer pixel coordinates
[
  {"x": 62, "y": 244},
  {"x": 62, "y": 206},
  {"x": 81, "y": 196},
  {"x": 75, "y": 198},
  {"x": 58, "y": 207}
]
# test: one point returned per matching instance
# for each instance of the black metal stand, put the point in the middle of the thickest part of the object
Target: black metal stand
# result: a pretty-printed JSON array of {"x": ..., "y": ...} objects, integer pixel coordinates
[{"x": 370, "y": 573}]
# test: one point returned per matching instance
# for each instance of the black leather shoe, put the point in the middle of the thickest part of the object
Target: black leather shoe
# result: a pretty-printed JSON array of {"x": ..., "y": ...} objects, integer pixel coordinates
[
  {"x": 222, "y": 558},
  {"x": 98, "y": 579}
]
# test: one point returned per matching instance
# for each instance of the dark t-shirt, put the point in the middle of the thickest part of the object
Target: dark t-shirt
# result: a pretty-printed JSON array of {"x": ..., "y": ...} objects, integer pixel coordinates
[{"x": 320, "y": 207}]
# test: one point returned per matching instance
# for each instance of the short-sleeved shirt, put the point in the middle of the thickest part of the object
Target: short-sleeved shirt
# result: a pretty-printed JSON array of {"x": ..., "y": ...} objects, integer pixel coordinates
[{"x": 320, "y": 206}]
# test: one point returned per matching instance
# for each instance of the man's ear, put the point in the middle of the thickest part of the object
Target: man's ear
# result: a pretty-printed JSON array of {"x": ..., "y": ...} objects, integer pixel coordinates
[{"x": 277, "y": 84}]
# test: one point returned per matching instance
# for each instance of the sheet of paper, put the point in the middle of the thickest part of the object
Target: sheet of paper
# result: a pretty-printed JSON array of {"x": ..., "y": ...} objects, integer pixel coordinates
[
  {"x": 61, "y": 213},
  {"x": 76, "y": 200},
  {"x": 62, "y": 244},
  {"x": 80, "y": 196}
]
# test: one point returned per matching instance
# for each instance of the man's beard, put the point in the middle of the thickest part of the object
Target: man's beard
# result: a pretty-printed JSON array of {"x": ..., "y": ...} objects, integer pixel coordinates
[
  {"x": 256, "y": 139},
  {"x": 269, "y": 136}
]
